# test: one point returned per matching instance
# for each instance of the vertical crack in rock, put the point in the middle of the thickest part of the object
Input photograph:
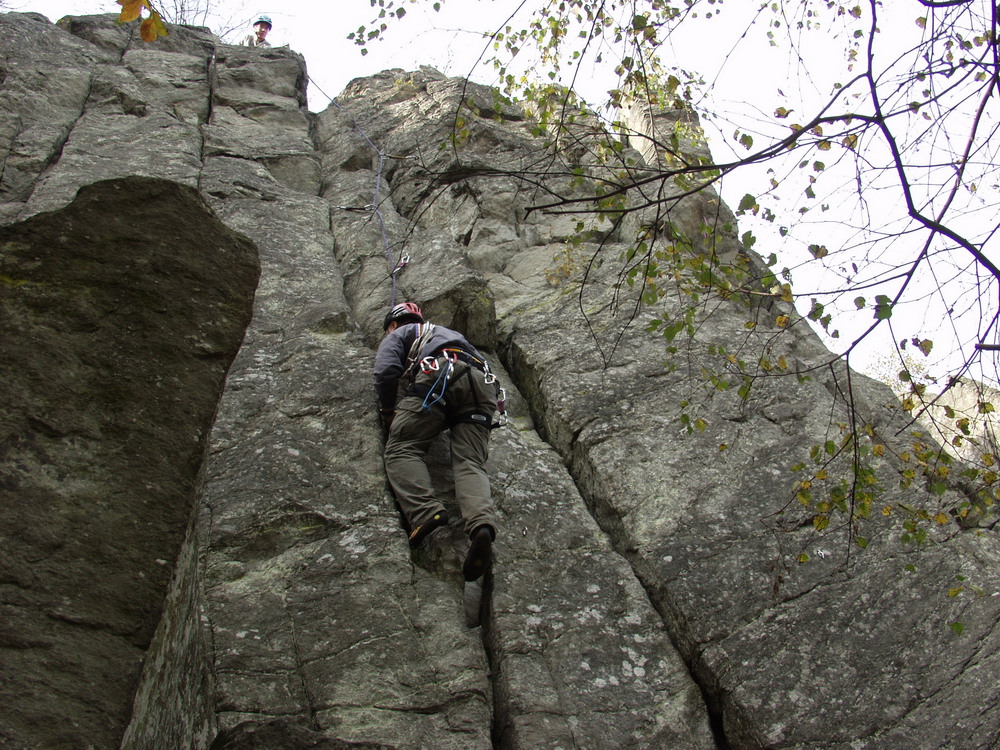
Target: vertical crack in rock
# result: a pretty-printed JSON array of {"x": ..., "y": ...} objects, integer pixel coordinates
[
  {"x": 306, "y": 692},
  {"x": 606, "y": 516}
]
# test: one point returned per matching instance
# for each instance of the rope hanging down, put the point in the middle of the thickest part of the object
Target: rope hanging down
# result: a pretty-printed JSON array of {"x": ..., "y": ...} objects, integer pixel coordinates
[{"x": 394, "y": 267}]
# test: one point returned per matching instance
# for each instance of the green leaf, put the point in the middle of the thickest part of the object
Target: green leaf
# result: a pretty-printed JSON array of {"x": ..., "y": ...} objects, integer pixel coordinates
[
  {"x": 883, "y": 307},
  {"x": 746, "y": 203},
  {"x": 859, "y": 302},
  {"x": 957, "y": 627}
]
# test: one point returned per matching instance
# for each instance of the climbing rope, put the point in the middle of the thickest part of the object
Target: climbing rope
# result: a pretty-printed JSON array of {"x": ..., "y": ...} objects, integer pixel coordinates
[{"x": 393, "y": 266}]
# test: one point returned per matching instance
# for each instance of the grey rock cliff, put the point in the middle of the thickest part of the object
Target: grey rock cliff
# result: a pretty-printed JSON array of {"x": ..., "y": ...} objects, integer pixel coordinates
[{"x": 187, "y": 565}]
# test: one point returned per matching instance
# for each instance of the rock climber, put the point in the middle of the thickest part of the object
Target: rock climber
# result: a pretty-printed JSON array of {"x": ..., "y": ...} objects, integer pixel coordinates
[
  {"x": 449, "y": 386},
  {"x": 260, "y": 27}
]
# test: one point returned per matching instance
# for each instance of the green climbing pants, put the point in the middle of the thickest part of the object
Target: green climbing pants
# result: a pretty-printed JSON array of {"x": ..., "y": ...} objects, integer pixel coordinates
[{"x": 414, "y": 429}]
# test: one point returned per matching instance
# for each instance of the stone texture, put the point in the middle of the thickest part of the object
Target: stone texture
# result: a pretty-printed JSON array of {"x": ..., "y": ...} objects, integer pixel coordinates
[
  {"x": 121, "y": 313},
  {"x": 645, "y": 591},
  {"x": 705, "y": 519}
]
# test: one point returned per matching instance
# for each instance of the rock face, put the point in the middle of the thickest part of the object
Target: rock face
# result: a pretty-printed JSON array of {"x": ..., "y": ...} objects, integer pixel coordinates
[
  {"x": 646, "y": 591},
  {"x": 121, "y": 315}
]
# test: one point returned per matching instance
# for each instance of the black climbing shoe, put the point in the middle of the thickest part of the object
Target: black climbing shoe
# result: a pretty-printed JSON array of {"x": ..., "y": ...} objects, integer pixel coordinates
[
  {"x": 422, "y": 531},
  {"x": 480, "y": 554}
]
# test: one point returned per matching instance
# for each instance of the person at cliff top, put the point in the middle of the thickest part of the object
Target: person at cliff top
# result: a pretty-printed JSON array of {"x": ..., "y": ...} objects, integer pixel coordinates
[
  {"x": 260, "y": 27},
  {"x": 449, "y": 387}
]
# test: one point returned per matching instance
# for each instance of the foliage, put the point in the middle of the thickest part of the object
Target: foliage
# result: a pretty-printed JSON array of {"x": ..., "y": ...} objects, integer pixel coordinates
[
  {"x": 879, "y": 192},
  {"x": 187, "y": 12},
  {"x": 152, "y": 26}
]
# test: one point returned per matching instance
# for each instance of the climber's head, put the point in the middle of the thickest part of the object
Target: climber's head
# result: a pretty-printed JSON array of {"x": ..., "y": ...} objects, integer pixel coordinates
[
  {"x": 261, "y": 26},
  {"x": 404, "y": 312}
]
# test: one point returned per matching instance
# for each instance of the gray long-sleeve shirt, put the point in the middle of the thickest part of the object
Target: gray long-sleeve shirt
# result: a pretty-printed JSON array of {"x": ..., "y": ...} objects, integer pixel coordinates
[{"x": 390, "y": 360}]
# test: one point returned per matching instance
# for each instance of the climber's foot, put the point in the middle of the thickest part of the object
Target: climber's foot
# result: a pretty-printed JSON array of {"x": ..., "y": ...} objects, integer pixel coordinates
[
  {"x": 424, "y": 530},
  {"x": 480, "y": 554}
]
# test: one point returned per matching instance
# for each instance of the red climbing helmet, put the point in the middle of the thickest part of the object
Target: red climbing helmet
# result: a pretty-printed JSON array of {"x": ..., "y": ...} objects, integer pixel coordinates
[{"x": 404, "y": 312}]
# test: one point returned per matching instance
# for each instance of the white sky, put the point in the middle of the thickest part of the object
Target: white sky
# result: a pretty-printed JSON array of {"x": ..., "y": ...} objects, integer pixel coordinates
[{"x": 767, "y": 76}]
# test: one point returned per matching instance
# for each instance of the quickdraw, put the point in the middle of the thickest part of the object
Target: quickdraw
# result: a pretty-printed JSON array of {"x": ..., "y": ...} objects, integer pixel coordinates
[
  {"x": 503, "y": 420},
  {"x": 434, "y": 395}
]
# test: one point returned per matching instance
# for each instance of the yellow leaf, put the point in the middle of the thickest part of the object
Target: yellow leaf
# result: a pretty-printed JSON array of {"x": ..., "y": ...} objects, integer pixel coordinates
[
  {"x": 781, "y": 320},
  {"x": 850, "y": 141},
  {"x": 956, "y": 591},
  {"x": 887, "y": 511},
  {"x": 130, "y": 10},
  {"x": 878, "y": 449},
  {"x": 723, "y": 446},
  {"x": 152, "y": 28},
  {"x": 941, "y": 519},
  {"x": 821, "y": 522}
]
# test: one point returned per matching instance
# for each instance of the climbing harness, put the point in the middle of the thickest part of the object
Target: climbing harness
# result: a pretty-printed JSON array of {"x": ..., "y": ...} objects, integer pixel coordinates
[{"x": 443, "y": 363}]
